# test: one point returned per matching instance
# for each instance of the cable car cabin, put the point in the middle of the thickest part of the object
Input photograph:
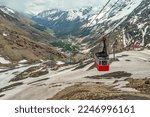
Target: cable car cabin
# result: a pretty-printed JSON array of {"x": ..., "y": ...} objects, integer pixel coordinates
[
  {"x": 102, "y": 63},
  {"x": 102, "y": 58}
]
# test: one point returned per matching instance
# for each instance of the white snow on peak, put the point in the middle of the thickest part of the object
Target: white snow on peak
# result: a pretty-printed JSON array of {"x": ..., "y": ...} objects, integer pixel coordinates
[
  {"x": 126, "y": 10},
  {"x": 48, "y": 13},
  {"x": 73, "y": 14},
  {"x": 7, "y": 10},
  {"x": 119, "y": 11},
  {"x": 82, "y": 13},
  {"x": 53, "y": 12}
]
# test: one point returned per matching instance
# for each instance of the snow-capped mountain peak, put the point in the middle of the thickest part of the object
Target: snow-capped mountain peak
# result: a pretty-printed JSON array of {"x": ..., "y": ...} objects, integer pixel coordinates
[
  {"x": 7, "y": 10},
  {"x": 128, "y": 17},
  {"x": 79, "y": 13},
  {"x": 48, "y": 13},
  {"x": 71, "y": 14},
  {"x": 115, "y": 11}
]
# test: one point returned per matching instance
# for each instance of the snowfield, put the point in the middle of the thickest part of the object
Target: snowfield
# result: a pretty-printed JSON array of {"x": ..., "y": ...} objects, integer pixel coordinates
[
  {"x": 116, "y": 13},
  {"x": 135, "y": 62}
]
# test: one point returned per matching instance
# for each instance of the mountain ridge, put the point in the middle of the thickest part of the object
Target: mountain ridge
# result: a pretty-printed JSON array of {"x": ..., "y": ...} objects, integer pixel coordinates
[
  {"x": 114, "y": 18},
  {"x": 19, "y": 40}
]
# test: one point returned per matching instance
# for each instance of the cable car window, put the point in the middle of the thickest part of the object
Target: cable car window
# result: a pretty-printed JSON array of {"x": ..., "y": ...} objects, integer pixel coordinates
[{"x": 103, "y": 62}]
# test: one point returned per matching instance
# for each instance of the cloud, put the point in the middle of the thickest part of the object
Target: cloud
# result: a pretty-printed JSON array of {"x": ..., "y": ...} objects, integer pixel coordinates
[
  {"x": 62, "y": 4},
  {"x": 18, "y": 5},
  {"x": 66, "y": 3},
  {"x": 36, "y": 6}
]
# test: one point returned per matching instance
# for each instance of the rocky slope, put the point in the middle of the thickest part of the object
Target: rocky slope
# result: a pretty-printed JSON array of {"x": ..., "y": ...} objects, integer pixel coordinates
[
  {"x": 128, "y": 25},
  {"x": 19, "y": 40}
]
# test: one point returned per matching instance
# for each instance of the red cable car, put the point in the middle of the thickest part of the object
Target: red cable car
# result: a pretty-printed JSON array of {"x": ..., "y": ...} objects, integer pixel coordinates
[{"x": 102, "y": 58}]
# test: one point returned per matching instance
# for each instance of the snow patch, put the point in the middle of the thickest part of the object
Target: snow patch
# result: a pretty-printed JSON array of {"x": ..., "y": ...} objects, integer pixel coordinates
[
  {"x": 5, "y": 34},
  {"x": 86, "y": 51},
  {"x": 124, "y": 38},
  {"x": 23, "y": 61},
  {"x": 133, "y": 20},
  {"x": 60, "y": 63},
  {"x": 4, "y": 61},
  {"x": 140, "y": 26}
]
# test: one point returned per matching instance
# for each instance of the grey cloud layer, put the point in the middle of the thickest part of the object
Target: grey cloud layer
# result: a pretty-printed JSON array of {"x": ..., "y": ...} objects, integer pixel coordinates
[{"x": 22, "y": 5}]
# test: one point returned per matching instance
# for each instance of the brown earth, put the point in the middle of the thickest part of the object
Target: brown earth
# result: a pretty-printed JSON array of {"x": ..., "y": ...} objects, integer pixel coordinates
[
  {"x": 142, "y": 85},
  {"x": 23, "y": 41},
  {"x": 31, "y": 72},
  {"x": 2, "y": 95},
  {"x": 9, "y": 87},
  {"x": 95, "y": 91},
  {"x": 37, "y": 81},
  {"x": 118, "y": 74}
]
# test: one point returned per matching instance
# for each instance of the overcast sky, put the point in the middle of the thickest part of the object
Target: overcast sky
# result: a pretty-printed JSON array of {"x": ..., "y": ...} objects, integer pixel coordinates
[{"x": 36, "y": 6}]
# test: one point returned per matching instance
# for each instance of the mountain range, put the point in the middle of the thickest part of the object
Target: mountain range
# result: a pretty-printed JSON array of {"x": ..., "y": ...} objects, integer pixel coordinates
[
  {"x": 125, "y": 20},
  {"x": 64, "y": 22}
]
